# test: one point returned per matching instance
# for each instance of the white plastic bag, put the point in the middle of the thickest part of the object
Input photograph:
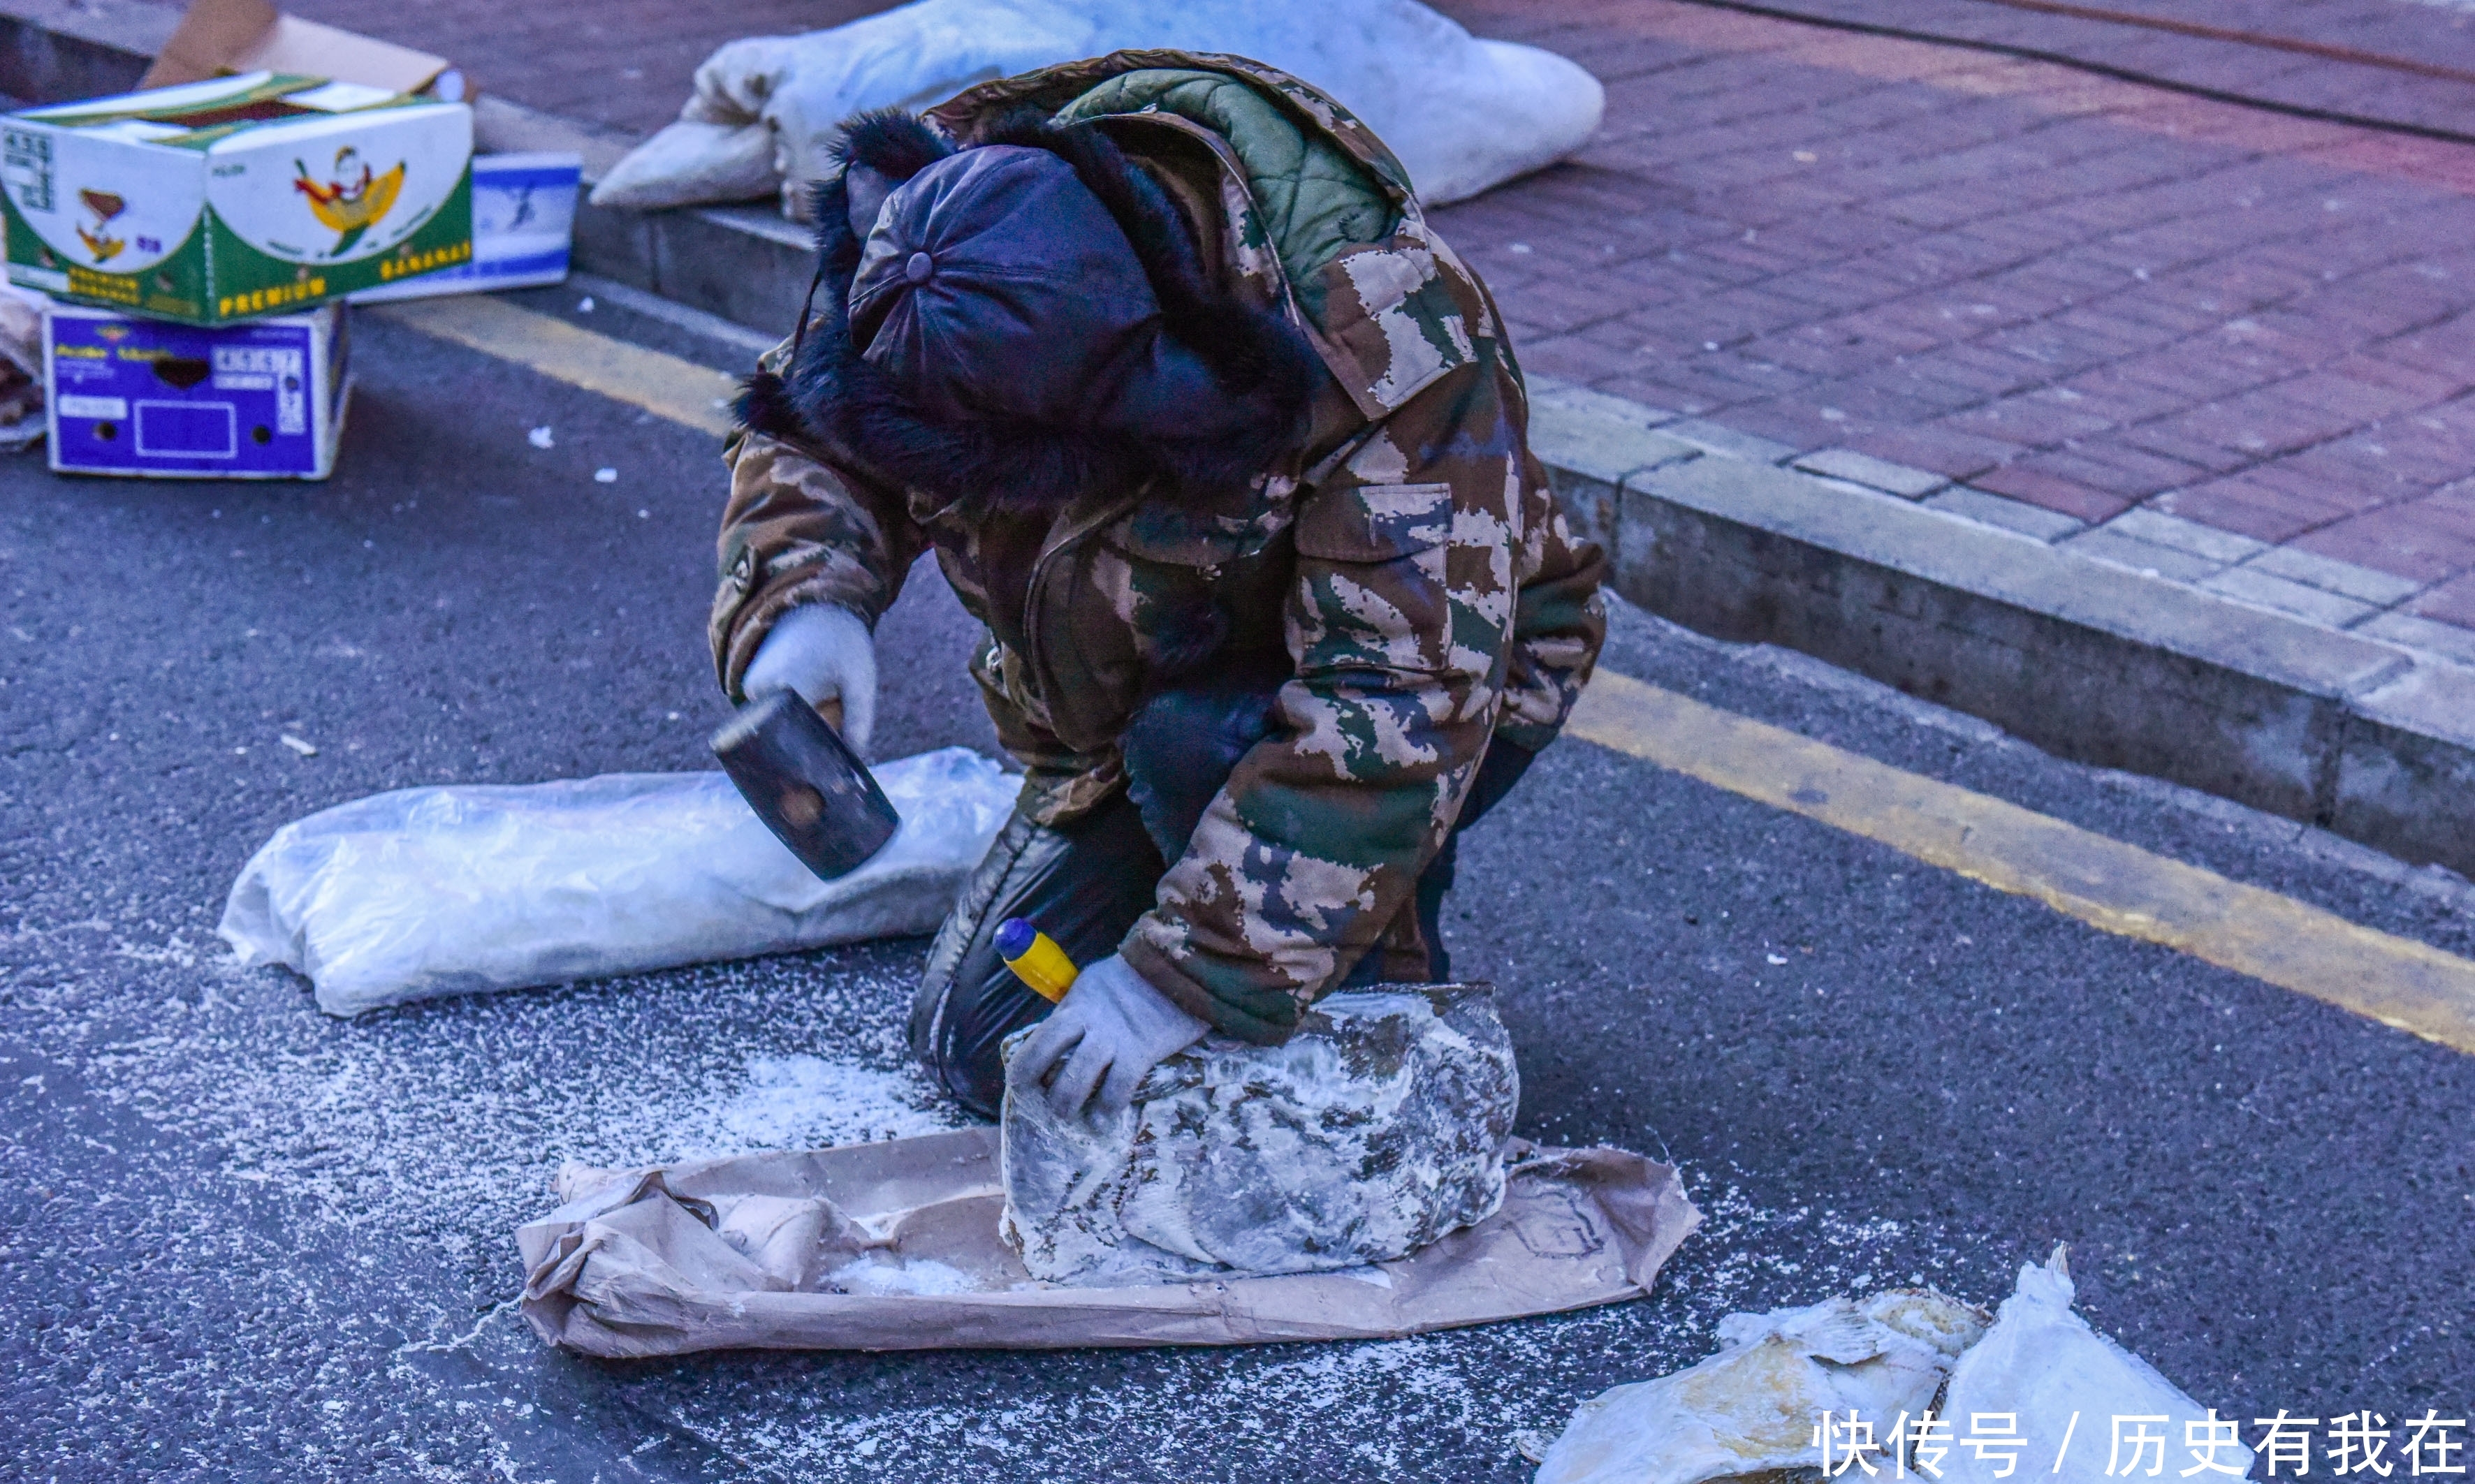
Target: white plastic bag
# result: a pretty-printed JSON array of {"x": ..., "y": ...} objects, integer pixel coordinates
[
  {"x": 22, "y": 367},
  {"x": 1462, "y": 113},
  {"x": 449, "y": 890},
  {"x": 1752, "y": 1407},
  {"x": 2042, "y": 1365}
]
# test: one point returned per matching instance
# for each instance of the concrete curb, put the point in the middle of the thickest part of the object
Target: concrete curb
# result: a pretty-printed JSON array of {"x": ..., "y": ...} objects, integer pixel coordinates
[{"x": 2085, "y": 658}]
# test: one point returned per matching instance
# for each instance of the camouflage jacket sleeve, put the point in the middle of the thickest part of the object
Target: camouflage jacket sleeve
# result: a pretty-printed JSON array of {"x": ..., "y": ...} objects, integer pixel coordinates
[
  {"x": 799, "y": 529},
  {"x": 1558, "y": 618},
  {"x": 1412, "y": 560}
]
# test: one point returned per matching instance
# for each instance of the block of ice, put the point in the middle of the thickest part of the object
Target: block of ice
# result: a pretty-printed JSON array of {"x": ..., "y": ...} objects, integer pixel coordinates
[{"x": 1377, "y": 1128}]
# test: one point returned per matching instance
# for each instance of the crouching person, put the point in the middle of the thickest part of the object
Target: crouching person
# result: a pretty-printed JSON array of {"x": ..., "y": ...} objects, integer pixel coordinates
[{"x": 1228, "y": 452}]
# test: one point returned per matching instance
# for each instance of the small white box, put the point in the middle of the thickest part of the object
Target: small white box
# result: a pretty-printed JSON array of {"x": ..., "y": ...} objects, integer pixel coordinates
[{"x": 524, "y": 227}]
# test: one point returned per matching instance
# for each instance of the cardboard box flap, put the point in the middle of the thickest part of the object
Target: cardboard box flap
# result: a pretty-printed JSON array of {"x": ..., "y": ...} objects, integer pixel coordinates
[
  {"x": 211, "y": 33},
  {"x": 296, "y": 45},
  {"x": 219, "y": 36}
]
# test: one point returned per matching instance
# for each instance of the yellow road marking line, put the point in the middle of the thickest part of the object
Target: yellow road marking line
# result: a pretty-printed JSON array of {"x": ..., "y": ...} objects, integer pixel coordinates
[
  {"x": 667, "y": 386},
  {"x": 2099, "y": 879}
]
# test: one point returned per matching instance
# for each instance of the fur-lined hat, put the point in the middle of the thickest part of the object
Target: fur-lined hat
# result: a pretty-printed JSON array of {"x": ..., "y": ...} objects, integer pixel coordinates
[{"x": 1025, "y": 320}]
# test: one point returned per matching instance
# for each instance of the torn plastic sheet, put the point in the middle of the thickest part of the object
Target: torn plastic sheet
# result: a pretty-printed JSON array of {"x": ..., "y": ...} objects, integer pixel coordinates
[
  {"x": 1751, "y": 1407},
  {"x": 2073, "y": 1390},
  {"x": 433, "y": 891},
  {"x": 895, "y": 1246}
]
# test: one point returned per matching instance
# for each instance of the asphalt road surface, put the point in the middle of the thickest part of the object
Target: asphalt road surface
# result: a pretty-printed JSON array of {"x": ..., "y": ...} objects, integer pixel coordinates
[{"x": 241, "y": 1240}]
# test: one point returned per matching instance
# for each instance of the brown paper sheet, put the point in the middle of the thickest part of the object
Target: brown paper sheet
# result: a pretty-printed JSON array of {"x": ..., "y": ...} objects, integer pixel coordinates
[{"x": 743, "y": 1252}]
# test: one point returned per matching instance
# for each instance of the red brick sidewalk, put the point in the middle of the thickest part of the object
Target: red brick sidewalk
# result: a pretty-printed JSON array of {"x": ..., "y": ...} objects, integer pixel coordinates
[
  {"x": 2099, "y": 299},
  {"x": 2079, "y": 293},
  {"x": 2427, "y": 34}
]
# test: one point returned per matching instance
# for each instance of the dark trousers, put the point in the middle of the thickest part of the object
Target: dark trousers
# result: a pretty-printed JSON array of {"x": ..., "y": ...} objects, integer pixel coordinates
[{"x": 1084, "y": 883}]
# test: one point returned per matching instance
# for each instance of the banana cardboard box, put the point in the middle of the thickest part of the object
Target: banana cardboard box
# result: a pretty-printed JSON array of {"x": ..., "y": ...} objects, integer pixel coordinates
[{"x": 237, "y": 197}]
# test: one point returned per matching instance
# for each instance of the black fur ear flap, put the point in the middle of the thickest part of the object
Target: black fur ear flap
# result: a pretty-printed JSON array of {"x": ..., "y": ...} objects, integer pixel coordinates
[
  {"x": 837, "y": 264},
  {"x": 837, "y": 245},
  {"x": 1152, "y": 222},
  {"x": 764, "y": 406},
  {"x": 892, "y": 143}
]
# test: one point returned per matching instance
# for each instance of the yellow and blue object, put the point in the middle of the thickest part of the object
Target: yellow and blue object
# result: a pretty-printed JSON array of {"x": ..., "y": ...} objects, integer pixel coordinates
[{"x": 1034, "y": 958}]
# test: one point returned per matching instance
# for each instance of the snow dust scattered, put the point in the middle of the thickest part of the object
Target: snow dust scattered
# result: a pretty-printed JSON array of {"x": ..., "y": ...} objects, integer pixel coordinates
[
  {"x": 802, "y": 1102},
  {"x": 877, "y": 1275},
  {"x": 434, "y": 1129}
]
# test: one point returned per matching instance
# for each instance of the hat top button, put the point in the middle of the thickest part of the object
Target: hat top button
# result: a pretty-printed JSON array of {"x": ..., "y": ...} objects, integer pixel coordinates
[{"x": 918, "y": 268}]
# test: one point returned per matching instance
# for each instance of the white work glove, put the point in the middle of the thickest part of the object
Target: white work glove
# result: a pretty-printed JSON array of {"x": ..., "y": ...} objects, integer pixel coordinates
[
  {"x": 827, "y": 654},
  {"x": 1118, "y": 1027}
]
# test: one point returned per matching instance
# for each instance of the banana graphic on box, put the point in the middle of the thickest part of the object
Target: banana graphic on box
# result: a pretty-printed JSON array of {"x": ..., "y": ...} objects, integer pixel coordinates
[
  {"x": 345, "y": 205},
  {"x": 101, "y": 242}
]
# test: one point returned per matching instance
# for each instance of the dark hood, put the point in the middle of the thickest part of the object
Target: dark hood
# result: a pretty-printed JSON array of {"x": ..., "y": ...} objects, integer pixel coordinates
[{"x": 1027, "y": 320}]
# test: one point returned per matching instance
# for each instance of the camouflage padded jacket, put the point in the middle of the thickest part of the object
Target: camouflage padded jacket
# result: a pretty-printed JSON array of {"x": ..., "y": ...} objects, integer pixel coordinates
[{"x": 1408, "y": 555}]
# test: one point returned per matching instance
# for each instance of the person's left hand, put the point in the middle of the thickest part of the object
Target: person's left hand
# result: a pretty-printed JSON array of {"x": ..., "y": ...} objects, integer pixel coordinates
[{"x": 1116, "y": 1028}]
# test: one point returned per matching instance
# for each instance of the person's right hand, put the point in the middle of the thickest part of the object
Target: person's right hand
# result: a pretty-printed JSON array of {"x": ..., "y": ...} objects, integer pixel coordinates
[{"x": 825, "y": 654}]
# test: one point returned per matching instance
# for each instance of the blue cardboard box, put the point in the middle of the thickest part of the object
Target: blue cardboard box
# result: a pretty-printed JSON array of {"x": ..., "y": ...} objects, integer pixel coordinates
[
  {"x": 524, "y": 227},
  {"x": 263, "y": 399}
]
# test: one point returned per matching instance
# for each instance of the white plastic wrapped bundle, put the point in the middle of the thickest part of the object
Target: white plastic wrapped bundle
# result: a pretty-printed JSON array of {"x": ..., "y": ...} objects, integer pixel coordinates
[
  {"x": 2069, "y": 1405},
  {"x": 2067, "y": 1384},
  {"x": 1462, "y": 112},
  {"x": 433, "y": 891}
]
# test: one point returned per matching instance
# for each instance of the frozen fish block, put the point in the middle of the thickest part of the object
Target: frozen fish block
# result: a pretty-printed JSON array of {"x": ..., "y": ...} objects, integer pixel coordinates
[{"x": 1379, "y": 1127}]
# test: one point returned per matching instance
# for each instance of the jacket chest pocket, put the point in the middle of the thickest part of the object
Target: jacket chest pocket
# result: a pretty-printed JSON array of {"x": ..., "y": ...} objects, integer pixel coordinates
[
  {"x": 1205, "y": 542},
  {"x": 1371, "y": 571},
  {"x": 1376, "y": 524}
]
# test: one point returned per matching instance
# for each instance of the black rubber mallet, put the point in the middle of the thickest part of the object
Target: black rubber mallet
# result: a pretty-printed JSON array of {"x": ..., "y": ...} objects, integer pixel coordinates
[{"x": 805, "y": 783}]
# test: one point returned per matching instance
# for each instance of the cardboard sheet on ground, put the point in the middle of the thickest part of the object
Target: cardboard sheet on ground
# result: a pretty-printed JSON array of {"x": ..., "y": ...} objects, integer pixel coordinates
[{"x": 895, "y": 1246}]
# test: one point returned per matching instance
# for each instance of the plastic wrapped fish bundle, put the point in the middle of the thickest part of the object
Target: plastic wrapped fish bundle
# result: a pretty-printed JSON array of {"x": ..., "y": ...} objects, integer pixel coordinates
[
  {"x": 431, "y": 891},
  {"x": 2042, "y": 1364},
  {"x": 1377, "y": 1128},
  {"x": 1751, "y": 1407},
  {"x": 1464, "y": 113}
]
